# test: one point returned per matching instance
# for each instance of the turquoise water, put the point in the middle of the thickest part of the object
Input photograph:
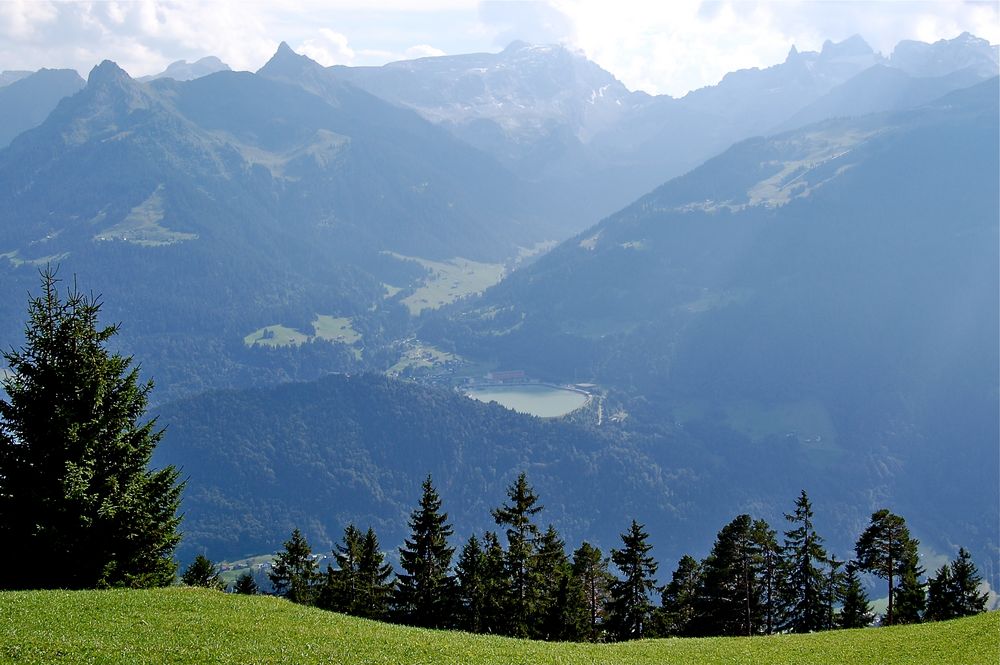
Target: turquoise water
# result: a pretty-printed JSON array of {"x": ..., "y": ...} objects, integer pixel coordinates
[{"x": 536, "y": 400}]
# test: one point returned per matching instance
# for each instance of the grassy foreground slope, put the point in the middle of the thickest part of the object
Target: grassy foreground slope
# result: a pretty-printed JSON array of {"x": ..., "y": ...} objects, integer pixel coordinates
[{"x": 197, "y": 626}]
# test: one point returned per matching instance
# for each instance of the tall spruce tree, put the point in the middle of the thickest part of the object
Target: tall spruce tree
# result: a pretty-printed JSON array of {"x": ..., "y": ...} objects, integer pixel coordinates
[
  {"x": 911, "y": 596},
  {"x": 496, "y": 617},
  {"x": 731, "y": 598},
  {"x": 79, "y": 506},
  {"x": 805, "y": 580},
  {"x": 885, "y": 549},
  {"x": 374, "y": 584},
  {"x": 341, "y": 590},
  {"x": 678, "y": 613},
  {"x": 590, "y": 569},
  {"x": 772, "y": 576},
  {"x": 522, "y": 534},
  {"x": 855, "y": 609},
  {"x": 965, "y": 585},
  {"x": 425, "y": 591},
  {"x": 834, "y": 581},
  {"x": 551, "y": 568},
  {"x": 630, "y": 607},
  {"x": 471, "y": 592},
  {"x": 293, "y": 573}
]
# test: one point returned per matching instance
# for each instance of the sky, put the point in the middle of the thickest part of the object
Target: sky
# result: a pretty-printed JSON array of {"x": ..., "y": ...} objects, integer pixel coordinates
[{"x": 661, "y": 47}]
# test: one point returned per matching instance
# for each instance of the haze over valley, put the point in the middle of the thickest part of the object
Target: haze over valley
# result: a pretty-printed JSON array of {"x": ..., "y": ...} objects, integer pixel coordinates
[{"x": 785, "y": 280}]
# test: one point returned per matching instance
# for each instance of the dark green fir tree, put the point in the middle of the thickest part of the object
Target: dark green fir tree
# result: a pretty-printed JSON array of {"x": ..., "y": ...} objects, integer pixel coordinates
[
  {"x": 79, "y": 505},
  {"x": 630, "y": 607},
  {"x": 425, "y": 590},
  {"x": 202, "y": 572},
  {"x": 678, "y": 611},
  {"x": 553, "y": 603},
  {"x": 590, "y": 569},
  {"x": 855, "y": 609},
  {"x": 374, "y": 583},
  {"x": 885, "y": 549},
  {"x": 471, "y": 592},
  {"x": 246, "y": 585},
  {"x": 965, "y": 584},
  {"x": 805, "y": 581},
  {"x": 293, "y": 573},
  {"x": 522, "y": 534}
]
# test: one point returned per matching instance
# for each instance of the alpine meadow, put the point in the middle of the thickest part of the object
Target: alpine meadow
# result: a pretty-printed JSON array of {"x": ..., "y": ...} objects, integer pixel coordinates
[{"x": 500, "y": 332}]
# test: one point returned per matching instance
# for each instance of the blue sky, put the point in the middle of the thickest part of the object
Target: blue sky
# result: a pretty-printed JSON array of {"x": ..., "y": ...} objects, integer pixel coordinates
[{"x": 661, "y": 47}]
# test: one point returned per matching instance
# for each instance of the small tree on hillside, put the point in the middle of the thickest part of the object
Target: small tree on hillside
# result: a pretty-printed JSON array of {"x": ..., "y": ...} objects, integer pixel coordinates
[
  {"x": 522, "y": 534},
  {"x": 885, "y": 549},
  {"x": 805, "y": 581},
  {"x": 202, "y": 572},
  {"x": 590, "y": 568},
  {"x": 679, "y": 609},
  {"x": 246, "y": 585},
  {"x": 855, "y": 610},
  {"x": 294, "y": 571},
  {"x": 425, "y": 590},
  {"x": 630, "y": 607},
  {"x": 954, "y": 591},
  {"x": 79, "y": 506}
]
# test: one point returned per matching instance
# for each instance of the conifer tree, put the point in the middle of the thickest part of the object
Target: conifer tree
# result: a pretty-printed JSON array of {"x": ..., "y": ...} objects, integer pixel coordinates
[
  {"x": 471, "y": 593},
  {"x": 834, "y": 581},
  {"x": 630, "y": 606},
  {"x": 497, "y": 587},
  {"x": 911, "y": 596},
  {"x": 341, "y": 590},
  {"x": 293, "y": 573},
  {"x": 590, "y": 569},
  {"x": 246, "y": 585},
  {"x": 374, "y": 584},
  {"x": 79, "y": 506},
  {"x": 805, "y": 581},
  {"x": 678, "y": 614},
  {"x": 954, "y": 591},
  {"x": 550, "y": 567},
  {"x": 855, "y": 610},
  {"x": 965, "y": 585},
  {"x": 730, "y": 602},
  {"x": 941, "y": 601},
  {"x": 522, "y": 534},
  {"x": 425, "y": 591},
  {"x": 202, "y": 572},
  {"x": 884, "y": 549},
  {"x": 771, "y": 575}
]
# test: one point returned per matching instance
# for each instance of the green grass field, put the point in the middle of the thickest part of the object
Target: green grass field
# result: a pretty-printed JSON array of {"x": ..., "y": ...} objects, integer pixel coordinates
[
  {"x": 448, "y": 281},
  {"x": 195, "y": 626}
]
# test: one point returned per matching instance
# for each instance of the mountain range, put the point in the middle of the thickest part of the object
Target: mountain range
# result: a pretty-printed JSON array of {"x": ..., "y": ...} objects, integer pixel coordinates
[{"x": 793, "y": 283}]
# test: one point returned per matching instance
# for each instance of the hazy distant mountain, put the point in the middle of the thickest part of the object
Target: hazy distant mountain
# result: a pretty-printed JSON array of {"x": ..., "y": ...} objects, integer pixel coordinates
[
  {"x": 10, "y": 75},
  {"x": 220, "y": 205},
  {"x": 833, "y": 288},
  {"x": 946, "y": 56},
  {"x": 526, "y": 104},
  {"x": 26, "y": 101},
  {"x": 880, "y": 88},
  {"x": 554, "y": 116},
  {"x": 183, "y": 70}
]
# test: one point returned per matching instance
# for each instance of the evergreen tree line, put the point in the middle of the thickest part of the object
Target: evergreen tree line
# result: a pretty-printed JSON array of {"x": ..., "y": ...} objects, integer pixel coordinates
[{"x": 520, "y": 581}]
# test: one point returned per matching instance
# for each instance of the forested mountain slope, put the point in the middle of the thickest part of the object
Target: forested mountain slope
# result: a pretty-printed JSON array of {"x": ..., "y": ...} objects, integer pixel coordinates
[{"x": 832, "y": 288}]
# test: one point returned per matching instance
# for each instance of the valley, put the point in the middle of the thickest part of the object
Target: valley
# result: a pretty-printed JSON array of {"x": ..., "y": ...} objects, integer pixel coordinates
[{"x": 343, "y": 280}]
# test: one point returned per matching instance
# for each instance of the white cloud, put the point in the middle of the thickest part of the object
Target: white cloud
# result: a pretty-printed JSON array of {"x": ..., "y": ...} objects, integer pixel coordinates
[
  {"x": 423, "y": 51},
  {"x": 677, "y": 46},
  {"x": 659, "y": 47},
  {"x": 330, "y": 48}
]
